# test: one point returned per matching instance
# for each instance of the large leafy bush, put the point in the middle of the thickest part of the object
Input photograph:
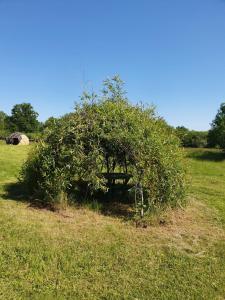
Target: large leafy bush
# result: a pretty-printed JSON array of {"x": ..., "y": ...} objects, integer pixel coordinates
[
  {"x": 216, "y": 136},
  {"x": 107, "y": 134}
]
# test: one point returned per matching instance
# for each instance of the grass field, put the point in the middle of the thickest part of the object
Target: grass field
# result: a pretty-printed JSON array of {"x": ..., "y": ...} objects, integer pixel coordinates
[{"x": 83, "y": 254}]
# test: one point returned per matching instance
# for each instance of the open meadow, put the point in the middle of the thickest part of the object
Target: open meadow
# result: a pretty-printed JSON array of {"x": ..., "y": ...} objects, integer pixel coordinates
[{"x": 85, "y": 254}]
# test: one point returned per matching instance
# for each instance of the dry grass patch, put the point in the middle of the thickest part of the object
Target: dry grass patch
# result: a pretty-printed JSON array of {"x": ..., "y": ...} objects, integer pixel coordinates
[{"x": 190, "y": 229}]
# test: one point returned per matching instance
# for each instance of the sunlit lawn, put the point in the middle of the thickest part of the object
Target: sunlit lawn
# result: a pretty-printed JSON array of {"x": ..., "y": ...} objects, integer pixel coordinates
[{"x": 83, "y": 254}]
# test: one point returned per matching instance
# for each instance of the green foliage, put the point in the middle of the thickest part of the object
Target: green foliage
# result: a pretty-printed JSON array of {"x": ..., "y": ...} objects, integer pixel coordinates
[
  {"x": 2, "y": 120},
  {"x": 107, "y": 134},
  {"x": 3, "y": 125},
  {"x": 192, "y": 138},
  {"x": 34, "y": 136},
  {"x": 212, "y": 138},
  {"x": 49, "y": 122},
  {"x": 23, "y": 118},
  {"x": 182, "y": 132},
  {"x": 217, "y": 133}
]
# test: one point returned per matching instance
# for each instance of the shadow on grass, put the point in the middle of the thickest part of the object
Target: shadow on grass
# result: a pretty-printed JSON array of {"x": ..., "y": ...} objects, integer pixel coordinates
[
  {"x": 114, "y": 208},
  {"x": 14, "y": 191},
  {"x": 216, "y": 156},
  {"x": 108, "y": 206},
  {"x": 17, "y": 192}
]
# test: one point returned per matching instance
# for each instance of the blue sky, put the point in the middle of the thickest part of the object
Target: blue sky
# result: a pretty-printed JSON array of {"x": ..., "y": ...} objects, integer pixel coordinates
[{"x": 170, "y": 53}]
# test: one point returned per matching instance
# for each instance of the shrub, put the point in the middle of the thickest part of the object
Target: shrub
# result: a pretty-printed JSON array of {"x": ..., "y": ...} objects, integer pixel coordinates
[
  {"x": 34, "y": 136},
  {"x": 4, "y": 134},
  {"x": 107, "y": 134}
]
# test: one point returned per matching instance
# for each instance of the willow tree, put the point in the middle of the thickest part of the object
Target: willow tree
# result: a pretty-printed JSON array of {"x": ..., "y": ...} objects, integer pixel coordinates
[{"x": 107, "y": 134}]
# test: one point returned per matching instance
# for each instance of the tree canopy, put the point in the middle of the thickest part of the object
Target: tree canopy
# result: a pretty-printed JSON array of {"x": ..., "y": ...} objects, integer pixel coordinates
[
  {"x": 23, "y": 118},
  {"x": 217, "y": 132}
]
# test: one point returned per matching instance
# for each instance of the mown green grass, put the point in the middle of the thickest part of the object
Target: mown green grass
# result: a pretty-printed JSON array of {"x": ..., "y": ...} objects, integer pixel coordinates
[
  {"x": 82, "y": 254},
  {"x": 11, "y": 158},
  {"x": 207, "y": 170}
]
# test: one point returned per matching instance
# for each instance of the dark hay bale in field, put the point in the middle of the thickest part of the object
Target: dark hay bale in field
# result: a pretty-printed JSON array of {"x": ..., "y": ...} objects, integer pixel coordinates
[{"x": 17, "y": 138}]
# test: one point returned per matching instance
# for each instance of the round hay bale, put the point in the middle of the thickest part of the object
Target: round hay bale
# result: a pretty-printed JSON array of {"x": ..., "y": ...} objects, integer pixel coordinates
[{"x": 17, "y": 138}]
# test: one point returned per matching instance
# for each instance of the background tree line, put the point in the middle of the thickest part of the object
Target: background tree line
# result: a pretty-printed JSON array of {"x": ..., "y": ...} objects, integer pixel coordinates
[
  {"x": 192, "y": 138},
  {"x": 214, "y": 138},
  {"x": 24, "y": 118}
]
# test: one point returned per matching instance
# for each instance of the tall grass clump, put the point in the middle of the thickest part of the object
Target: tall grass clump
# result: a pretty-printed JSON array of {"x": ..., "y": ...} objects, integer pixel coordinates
[{"x": 106, "y": 134}]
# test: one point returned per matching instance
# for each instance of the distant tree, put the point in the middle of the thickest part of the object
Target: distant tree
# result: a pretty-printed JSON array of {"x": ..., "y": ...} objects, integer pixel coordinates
[
  {"x": 197, "y": 139},
  {"x": 3, "y": 125},
  {"x": 192, "y": 138},
  {"x": 23, "y": 118},
  {"x": 182, "y": 133},
  {"x": 2, "y": 120},
  {"x": 212, "y": 139},
  {"x": 216, "y": 134}
]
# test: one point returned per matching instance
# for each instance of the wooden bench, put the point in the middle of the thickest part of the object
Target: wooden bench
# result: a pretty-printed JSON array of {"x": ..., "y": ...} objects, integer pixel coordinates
[{"x": 112, "y": 177}]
